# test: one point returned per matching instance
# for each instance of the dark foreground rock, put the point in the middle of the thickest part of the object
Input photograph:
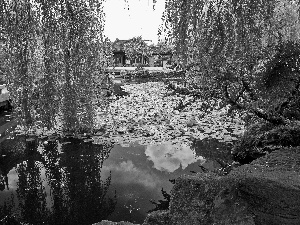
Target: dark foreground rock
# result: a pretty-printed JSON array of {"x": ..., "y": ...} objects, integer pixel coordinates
[{"x": 265, "y": 192}]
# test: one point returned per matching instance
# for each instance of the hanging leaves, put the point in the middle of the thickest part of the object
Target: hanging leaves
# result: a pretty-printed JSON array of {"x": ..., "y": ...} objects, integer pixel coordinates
[
  {"x": 221, "y": 44},
  {"x": 56, "y": 53}
]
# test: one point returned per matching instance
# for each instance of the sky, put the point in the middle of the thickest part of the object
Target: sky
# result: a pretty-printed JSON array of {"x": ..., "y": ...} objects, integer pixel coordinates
[{"x": 138, "y": 20}]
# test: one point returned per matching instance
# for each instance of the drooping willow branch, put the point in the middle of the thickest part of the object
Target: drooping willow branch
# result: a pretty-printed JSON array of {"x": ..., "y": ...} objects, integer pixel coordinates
[{"x": 263, "y": 115}]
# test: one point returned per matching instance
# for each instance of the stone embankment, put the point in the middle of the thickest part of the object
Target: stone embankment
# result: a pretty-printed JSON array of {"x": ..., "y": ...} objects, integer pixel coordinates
[{"x": 266, "y": 191}]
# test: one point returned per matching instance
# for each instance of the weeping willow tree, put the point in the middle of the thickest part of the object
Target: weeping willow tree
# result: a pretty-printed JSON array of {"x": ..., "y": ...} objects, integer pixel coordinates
[
  {"x": 18, "y": 23},
  {"x": 232, "y": 50},
  {"x": 56, "y": 52}
]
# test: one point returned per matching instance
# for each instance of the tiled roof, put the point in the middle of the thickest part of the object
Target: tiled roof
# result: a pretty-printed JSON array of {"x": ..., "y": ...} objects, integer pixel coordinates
[{"x": 118, "y": 45}]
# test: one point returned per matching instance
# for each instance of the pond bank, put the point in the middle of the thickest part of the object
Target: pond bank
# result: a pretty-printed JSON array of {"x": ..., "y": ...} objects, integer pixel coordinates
[
  {"x": 235, "y": 199},
  {"x": 264, "y": 191},
  {"x": 205, "y": 198}
]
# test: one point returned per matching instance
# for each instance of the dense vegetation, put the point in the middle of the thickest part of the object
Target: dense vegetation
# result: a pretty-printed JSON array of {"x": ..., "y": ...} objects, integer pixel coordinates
[
  {"x": 54, "y": 51},
  {"x": 243, "y": 52},
  {"x": 136, "y": 47}
]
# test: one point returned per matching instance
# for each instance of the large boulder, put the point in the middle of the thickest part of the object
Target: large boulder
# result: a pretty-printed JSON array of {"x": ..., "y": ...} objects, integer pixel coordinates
[
  {"x": 271, "y": 187},
  {"x": 207, "y": 199},
  {"x": 267, "y": 191}
]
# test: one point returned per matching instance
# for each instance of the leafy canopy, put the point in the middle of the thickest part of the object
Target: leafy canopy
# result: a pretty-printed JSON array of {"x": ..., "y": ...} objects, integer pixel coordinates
[
  {"x": 136, "y": 47},
  {"x": 55, "y": 50},
  {"x": 225, "y": 46}
]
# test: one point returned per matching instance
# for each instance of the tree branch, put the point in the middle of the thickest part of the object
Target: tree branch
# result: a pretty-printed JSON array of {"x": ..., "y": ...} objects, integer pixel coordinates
[
  {"x": 258, "y": 113},
  {"x": 293, "y": 93},
  {"x": 247, "y": 87}
]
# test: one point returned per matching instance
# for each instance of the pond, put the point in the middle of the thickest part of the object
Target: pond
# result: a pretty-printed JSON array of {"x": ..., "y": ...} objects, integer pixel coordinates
[
  {"x": 115, "y": 174},
  {"x": 70, "y": 181}
]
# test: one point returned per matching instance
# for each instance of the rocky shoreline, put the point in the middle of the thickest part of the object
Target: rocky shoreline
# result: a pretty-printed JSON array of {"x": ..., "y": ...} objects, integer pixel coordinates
[{"x": 264, "y": 191}]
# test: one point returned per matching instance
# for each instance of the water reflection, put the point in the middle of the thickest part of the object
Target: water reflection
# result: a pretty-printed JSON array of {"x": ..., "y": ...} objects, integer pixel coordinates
[
  {"x": 70, "y": 181},
  {"x": 138, "y": 178},
  {"x": 136, "y": 182},
  {"x": 168, "y": 157},
  {"x": 57, "y": 184},
  {"x": 210, "y": 148}
]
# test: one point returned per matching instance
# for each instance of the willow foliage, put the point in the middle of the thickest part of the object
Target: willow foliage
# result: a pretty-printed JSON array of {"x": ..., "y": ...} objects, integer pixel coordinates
[
  {"x": 233, "y": 27},
  {"x": 56, "y": 52},
  {"x": 223, "y": 44}
]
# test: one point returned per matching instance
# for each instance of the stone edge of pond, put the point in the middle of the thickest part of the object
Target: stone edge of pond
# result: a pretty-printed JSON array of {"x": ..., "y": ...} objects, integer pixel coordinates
[{"x": 265, "y": 191}]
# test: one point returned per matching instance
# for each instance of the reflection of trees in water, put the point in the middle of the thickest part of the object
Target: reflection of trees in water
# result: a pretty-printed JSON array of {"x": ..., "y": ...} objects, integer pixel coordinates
[
  {"x": 31, "y": 193},
  {"x": 212, "y": 149},
  {"x": 6, "y": 210},
  {"x": 76, "y": 185},
  {"x": 11, "y": 149},
  {"x": 54, "y": 176},
  {"x": 77, "y": 193}
]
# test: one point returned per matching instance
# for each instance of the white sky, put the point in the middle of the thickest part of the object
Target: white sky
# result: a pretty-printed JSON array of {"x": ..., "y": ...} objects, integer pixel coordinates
[{"x": 139, "y": 20}]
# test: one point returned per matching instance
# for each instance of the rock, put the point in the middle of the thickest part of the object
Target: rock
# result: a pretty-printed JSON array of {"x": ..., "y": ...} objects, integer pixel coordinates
[
  {"x": 267, "y": 191},
  {"x": 207, "y": 198},
  {"x": 271, "y": 187}
]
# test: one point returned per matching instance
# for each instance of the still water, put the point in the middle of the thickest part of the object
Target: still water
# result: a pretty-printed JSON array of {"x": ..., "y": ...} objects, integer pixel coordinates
[{"x": 74, "y": 181}]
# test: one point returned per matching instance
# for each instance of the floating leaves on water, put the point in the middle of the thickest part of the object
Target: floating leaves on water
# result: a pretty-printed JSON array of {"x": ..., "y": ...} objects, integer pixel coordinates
[
  {"x": 147, "y": 116},
  {"x": 192, "y": 122},
  {"x": 122, "y": 129}
]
